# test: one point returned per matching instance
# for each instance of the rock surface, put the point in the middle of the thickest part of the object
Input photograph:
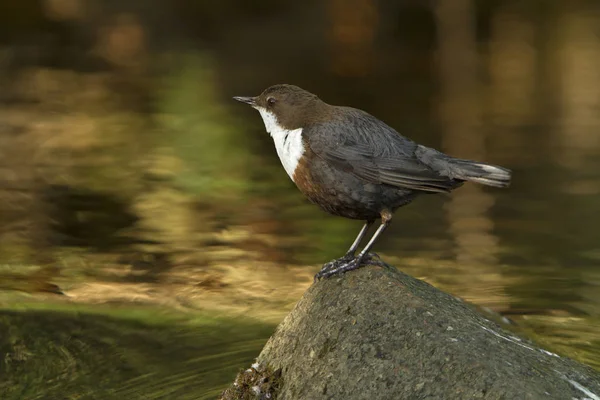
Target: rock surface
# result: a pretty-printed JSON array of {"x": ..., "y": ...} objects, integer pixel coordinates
[{"x": 377, "y": 333}]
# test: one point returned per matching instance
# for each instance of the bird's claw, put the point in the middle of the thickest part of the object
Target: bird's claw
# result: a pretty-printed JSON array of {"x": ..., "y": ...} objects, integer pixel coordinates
[
  {"x": 334, "y": 263},
  {"x": 346, "y": 263}
]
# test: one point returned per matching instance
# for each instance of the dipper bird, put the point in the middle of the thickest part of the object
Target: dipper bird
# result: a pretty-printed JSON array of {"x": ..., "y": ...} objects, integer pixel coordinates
[{"x": 353, "y": 165}]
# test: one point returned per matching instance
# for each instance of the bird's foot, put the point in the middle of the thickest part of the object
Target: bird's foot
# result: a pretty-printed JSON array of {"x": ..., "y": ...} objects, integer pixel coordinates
[
  {"x": 346, "y": 263},
  {"x": 335, "y": 263}
]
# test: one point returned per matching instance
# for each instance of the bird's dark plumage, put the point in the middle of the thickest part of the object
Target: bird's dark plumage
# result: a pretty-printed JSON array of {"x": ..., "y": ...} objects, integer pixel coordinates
[{"x": 376, "y": 153}]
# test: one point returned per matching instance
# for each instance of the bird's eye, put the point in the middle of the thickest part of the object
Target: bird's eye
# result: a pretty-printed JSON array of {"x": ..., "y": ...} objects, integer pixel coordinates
[{"x": 271, "y": 101}]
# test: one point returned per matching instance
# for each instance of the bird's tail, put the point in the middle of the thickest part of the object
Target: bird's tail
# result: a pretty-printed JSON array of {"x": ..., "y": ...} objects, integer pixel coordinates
[{"x": 486, "y": 174}]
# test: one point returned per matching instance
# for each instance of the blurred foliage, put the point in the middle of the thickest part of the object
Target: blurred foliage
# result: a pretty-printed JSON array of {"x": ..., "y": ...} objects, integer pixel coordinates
[{"x": 202, "y": 132}]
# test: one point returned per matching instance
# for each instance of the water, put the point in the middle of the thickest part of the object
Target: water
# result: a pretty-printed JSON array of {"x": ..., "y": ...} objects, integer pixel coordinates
[{"x": 131, "y": 183}]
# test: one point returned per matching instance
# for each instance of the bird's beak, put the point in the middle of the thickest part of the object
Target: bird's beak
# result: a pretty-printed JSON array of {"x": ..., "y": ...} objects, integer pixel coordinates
[{"x": 247, "y": 100}]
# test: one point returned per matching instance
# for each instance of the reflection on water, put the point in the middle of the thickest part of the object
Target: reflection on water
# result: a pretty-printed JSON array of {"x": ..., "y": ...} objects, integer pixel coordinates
[
  {"x": 120, "y": 354},
  {"x": 129, "y": 177}
]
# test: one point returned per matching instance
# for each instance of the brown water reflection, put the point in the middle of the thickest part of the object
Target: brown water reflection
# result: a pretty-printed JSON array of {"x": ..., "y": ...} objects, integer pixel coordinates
[{"x": 129, "y": 176}]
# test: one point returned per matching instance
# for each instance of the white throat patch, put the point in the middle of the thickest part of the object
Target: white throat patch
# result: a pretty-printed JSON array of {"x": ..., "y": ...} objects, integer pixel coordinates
[{"x": 288, "y": 143}]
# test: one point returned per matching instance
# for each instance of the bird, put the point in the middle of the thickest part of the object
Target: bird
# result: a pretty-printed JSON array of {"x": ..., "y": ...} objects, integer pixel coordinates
[{"x": 353, "y": 165}]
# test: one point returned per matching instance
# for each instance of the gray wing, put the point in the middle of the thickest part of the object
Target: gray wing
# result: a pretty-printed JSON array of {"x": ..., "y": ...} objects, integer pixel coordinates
[{"x": 375, "y": 153}]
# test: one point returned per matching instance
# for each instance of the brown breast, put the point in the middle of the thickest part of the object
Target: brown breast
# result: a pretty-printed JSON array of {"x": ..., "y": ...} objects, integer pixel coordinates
[{"x": 304, "y": 179}]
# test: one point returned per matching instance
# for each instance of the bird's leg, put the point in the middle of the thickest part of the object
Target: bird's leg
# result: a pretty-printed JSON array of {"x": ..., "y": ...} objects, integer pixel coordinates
[
  {"x": 354, "y": 263},
  {"x": 351, "y": 251},
  {"x": 361, "y": 235}
]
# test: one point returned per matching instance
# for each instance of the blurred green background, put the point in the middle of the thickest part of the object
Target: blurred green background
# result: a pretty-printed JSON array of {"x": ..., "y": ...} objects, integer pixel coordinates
[{"x": 150, "y": 240}]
